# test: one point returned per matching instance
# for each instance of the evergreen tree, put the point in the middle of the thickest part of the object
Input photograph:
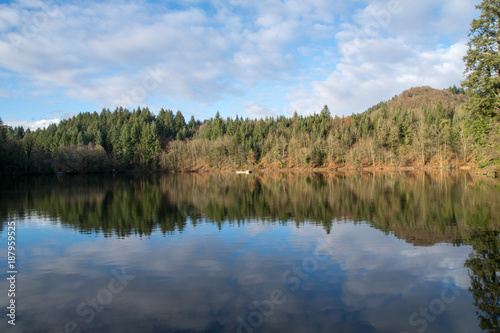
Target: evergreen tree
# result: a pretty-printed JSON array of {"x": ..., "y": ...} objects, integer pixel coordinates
[
  {"x": 135, "y": 133},
  {"x": 325, "y": 113},
  {"x": 126, "y": 142},
  {"x": 483, "y": 60},
  {"x": 150, "y": 144},
  {"x": 165, "y": 124},
  {"x": 217, "y": 127},
  {"x": 28, "y": 143},
  {"x": 3, "y": 131},
  {"x": 483, "y": 82},
  {"x": 179, "y": 122},
  {"x": 192, "y": 124}
]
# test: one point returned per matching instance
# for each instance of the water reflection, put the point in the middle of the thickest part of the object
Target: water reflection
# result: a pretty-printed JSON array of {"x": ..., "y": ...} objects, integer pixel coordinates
[
  {"x": 484, "y": 270},
  {"x": 423, "y": 208},
  {"x": 207, "y": 251}
]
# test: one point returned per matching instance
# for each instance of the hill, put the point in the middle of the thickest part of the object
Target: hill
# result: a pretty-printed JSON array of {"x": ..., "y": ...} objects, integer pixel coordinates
[{"x": 420, "y": 128}]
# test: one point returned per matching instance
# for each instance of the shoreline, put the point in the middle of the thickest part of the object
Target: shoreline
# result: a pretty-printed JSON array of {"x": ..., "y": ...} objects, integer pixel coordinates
[
  {"x": 271, "y": 169},
  {"x": 378, "y": 169}
]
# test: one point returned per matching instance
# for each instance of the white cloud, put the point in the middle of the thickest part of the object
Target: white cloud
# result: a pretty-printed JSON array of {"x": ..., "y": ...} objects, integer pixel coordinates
[
  {"x": 31, "y": 124},
  {"x": 8, "y": 18},
  {"x": 255, "y": 110}
]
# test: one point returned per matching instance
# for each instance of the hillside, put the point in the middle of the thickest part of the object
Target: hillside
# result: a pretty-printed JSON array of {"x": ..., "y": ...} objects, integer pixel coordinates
[
  {"x": 420, "y": 128},
  {"x": 426, "y": 97}
]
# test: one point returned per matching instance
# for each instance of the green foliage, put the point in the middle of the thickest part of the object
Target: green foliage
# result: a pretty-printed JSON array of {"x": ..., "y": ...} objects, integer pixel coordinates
[
  {"x": 482, "y": 59},
  {"x": 317, "y": 157},
  {"x": 179, "y": 122},
  {"x": 150, "y": 144},
  {"x": 483, "y": 82},
  {"x": 423, "y": 122},
  {"x": 165, "y": 124},
  {"x": 456, "y": 90}
]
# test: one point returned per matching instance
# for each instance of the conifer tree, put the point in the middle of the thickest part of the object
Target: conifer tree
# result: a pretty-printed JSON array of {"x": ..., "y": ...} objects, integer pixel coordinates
[
  {"x": 179, "y": 122},
  {"x": 483, "y": 82},
  {"x": 150, "y": 144},
  {"x": 165, "y": 123},
  {"x": 483, "y": 60}
]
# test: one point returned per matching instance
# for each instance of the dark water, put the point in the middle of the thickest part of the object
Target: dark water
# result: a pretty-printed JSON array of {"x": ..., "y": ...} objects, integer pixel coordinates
[{"x": 260, "y": 253}]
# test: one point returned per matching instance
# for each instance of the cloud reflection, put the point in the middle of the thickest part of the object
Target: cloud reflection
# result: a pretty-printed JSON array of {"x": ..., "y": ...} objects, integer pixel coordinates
[{"x": 202, "y": 281}]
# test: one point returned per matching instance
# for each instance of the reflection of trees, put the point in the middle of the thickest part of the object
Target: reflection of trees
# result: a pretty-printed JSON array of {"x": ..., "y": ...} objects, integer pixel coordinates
[
  {"x": 484, "y": 271},
  {"x": 421, "y": 208}
]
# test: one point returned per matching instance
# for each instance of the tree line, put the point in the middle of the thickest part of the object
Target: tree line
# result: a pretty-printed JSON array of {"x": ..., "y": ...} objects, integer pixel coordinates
[{"x": 419, "y": 127}]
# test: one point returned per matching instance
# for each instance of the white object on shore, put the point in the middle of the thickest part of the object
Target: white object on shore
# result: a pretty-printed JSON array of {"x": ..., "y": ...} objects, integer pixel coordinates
[{"x": 246, "y": 172}]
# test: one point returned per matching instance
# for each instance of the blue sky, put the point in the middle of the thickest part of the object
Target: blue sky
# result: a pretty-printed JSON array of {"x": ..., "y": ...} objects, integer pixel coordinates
[{"x": 239, "y": 57}]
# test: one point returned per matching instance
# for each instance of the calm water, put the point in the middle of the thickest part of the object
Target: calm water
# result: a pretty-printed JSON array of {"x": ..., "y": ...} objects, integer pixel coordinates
[{"x": 274, "y": 253}]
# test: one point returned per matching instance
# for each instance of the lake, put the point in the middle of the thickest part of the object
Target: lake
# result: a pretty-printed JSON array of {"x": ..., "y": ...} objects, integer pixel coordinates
[{"x": 407, "y": 252}]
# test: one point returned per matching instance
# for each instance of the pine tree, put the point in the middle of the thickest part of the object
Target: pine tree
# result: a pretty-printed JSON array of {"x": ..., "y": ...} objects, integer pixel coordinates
[
  {"x": 218, "y": 127},
  {"x": 483, "y": 59},
  {"x": 165, "y": 124},
  {"x": 135, "y": 133},
  {"x": 150, "y": 144},
  {"x": 192, "y": 124},
  {"x": 3, "y": 131},
  {"x": 483, "y": 82},
  {"x": 126, "y": 142},
  {"x": 325, "y": 113},
  {"x": 179, "y": 122},
  {"x": 79, "y": 139}
]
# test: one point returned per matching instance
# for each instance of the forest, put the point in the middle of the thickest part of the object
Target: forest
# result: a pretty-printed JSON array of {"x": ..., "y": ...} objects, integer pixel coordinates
[{"x": 421, "y": 127}]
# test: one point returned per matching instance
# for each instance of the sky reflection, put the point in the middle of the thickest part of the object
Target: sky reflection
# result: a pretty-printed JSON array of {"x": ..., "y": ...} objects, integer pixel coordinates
[{"x": 204, "y": 279}]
